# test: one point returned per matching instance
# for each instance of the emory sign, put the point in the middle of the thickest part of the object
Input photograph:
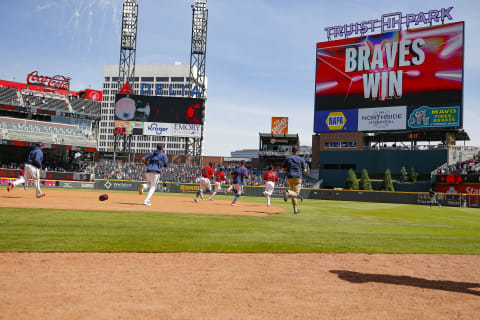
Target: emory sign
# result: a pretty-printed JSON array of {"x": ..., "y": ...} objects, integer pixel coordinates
[
  {"x": 56, "y": 82},
  {"x": 389, "y": 22}
]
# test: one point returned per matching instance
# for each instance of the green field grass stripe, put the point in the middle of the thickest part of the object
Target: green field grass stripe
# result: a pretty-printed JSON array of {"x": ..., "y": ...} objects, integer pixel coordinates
[{"x": 323, "y": 226}]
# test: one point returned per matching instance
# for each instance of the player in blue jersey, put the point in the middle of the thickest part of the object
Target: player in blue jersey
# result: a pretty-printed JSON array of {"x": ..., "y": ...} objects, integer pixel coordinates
[
  {"x": 154, "y": 161},
  {"x": 238, "y": 176},
  {"x": 32, "y": 170},
  {"x": 294, "y": 166}
]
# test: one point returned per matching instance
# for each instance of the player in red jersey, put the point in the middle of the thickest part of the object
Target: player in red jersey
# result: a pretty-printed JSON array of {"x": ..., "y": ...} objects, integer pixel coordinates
[
  {"x": 207, "y": 173},
  {"x": 219, "y": 178},
  {"x": 270, "y": 178}
]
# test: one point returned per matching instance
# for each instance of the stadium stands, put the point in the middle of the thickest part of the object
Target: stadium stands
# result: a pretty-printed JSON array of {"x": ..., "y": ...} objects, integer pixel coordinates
[
  {"x": 47, "y": 132},
  {"x": 86, "y": 106},
  {"x": 8, "y": 95},
  {"x": 177, "y": 173}
]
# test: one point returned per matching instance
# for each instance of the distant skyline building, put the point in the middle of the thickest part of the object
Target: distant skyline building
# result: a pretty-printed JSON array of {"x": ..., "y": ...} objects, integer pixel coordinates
[{"x": 170, "y": 80}]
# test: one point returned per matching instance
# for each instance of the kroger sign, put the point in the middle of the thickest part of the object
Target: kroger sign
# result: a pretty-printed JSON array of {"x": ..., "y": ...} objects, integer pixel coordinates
[{"x": 172, "y": 129}]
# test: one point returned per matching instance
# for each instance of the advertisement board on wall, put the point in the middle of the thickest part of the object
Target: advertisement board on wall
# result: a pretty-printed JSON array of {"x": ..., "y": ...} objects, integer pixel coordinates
[
  {"x": 279, "y": 125},
  {"x": 172, "y": 129},
  {"x": 375, "y": 119},
  {"x": 430, "y": 118},
  {"x": 187, "y": 130},
  {"x": 415, "y": 68},
  {"x": 336, "y": 120},
  {"x": 158, "y": 129}
]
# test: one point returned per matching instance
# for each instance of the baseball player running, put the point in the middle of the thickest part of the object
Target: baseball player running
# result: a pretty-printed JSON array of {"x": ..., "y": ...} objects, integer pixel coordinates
[
  {"x": 219, "y": 178},
  {"x": 270, "y": 178},
  {"x": 207, "y": 173},
  {"x": 238, "y": 175},
  {"x": 154, "y": 161},
  {"x": 32, "y": 170},
  {"x": 294, "y": 166}
]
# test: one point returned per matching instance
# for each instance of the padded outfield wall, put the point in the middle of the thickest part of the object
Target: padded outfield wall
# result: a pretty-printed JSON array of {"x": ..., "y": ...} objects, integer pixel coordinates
[{"x": 333, "y": 165}]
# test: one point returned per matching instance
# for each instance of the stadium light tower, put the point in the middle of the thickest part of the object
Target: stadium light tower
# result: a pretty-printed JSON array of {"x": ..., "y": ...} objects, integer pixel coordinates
[
  {"x": 198, "y": 54},
  {"x": 128, "y": 49},
  {"x": 128, "y": 45},
  {"x": 198, "y": 50}
]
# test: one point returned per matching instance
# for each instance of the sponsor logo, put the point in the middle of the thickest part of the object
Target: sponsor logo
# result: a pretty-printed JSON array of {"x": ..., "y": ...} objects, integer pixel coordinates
[
  {"x": 392, "y": 118},
  {"x": 107, "y": 185},
  {"x": 67, "y": 185},
  {"x": 280, "y": 125},
  {"x": 156, "y": 129},
  {"x": 87, "y": 185},
  {"x": 187, "y": 188},
  {"x": 426, "y": 117},
  {"x": 390, "y": 22},
  {"x": 57, "y": 82},
  {"x": 336, "y": 120},
  {"x": 187, "y": 130}
]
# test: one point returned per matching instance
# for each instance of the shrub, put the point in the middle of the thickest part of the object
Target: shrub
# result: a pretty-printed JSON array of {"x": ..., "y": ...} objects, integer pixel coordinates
[
  {"x": 352, "y": 182},
  {"x": 387, "y": 184},
  {"x": 365, "y": 181}
]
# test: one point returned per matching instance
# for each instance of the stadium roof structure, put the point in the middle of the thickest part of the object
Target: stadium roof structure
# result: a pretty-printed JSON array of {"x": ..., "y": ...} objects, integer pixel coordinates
[{"x": 406, "y": 136}]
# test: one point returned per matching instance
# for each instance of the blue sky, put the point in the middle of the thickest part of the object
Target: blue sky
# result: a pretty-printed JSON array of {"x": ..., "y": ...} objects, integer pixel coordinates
[{"x": 260, "y": 53}]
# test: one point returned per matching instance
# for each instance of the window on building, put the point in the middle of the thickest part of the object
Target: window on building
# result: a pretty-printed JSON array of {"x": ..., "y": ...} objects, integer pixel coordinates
[
  {"x": 162, "y": 79},
  {"x": 178, "y": 79},
  {"x": 149, "y": 79},
  {"x": 340, "y": 144}
]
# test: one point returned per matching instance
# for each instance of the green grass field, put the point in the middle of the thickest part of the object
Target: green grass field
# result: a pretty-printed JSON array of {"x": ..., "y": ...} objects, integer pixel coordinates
[{"x": 323, "y": 226}]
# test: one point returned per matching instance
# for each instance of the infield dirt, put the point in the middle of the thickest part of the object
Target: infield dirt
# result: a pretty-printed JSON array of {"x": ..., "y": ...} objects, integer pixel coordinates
[
  {"x": 87, "y": 200},
  {"x": 226, "y": 286}
]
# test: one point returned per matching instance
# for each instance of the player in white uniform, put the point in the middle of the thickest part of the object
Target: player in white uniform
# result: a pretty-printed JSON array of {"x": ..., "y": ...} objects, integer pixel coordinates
[
  {"x": 32, "y": 170},
  {"x": 219, "y": 178}
]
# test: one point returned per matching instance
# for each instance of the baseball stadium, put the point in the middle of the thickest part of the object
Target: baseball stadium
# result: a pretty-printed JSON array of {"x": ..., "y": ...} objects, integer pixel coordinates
[{"x": 111, "y": 209}]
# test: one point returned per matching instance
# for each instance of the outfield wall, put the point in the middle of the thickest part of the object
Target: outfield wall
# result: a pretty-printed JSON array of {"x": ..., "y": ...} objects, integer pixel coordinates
[{"x": 421, "y": 198}]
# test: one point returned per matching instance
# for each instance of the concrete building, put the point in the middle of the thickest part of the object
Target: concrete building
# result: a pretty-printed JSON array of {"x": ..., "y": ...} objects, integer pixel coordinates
[{"x": 156, "y": 79}]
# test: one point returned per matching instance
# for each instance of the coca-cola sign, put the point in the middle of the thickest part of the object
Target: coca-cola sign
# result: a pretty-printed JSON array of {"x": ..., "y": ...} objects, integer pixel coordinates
[{"x": 57, "y": 82}]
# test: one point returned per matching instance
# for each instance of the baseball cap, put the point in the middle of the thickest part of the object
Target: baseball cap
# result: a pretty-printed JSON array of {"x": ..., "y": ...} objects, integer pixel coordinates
[
  {"x": 159, "y": 146},
  {"x": 39, "y": 144},
  {"x": 242, "y": 162},
  {"x": 294, "y": 149}
]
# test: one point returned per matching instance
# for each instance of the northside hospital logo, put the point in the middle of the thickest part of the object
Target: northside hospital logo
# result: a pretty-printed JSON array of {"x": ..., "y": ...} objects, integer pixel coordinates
[{"x": 336, "y": 120}]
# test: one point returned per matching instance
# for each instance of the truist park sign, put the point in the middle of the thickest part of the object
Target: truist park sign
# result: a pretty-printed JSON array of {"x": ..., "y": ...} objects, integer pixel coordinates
[
  {"x": 389, "y": 22},
  {"x": 56, "y": 82}
]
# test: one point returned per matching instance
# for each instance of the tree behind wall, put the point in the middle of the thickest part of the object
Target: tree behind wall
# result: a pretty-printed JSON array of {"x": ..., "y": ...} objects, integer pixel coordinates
[
  {"x": 365, "y": 181},
  {"x": 352, "y": 182},
  {"x": 387, "y": 184},
  {"x": 403, "y": 174},
  {"x": 413, "y": 175}
]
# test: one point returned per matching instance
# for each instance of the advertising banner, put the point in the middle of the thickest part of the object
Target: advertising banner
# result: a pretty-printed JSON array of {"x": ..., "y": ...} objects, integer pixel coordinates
[
  {"x": 159, "y": 109},
  {"x": 121, "y": 127},
  {"x": 158, "y": 129},
  {"x": 375, "y": 119},
  {"x": 187, "y": 130},
  {"x": 95, "y": 95},
  {"x": 279, "y": 125},
  {"x": 430, "y": 118},
  {"x": 336, "y": 121}
]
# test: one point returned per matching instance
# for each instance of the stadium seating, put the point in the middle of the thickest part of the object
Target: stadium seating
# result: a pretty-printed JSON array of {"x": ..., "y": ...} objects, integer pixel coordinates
[
  {"x": 47, "y": 132},
  {"x": 179, "y": 173},
  {"x": 8, "y": 95},
  {"x": 86, "y": 106}
]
